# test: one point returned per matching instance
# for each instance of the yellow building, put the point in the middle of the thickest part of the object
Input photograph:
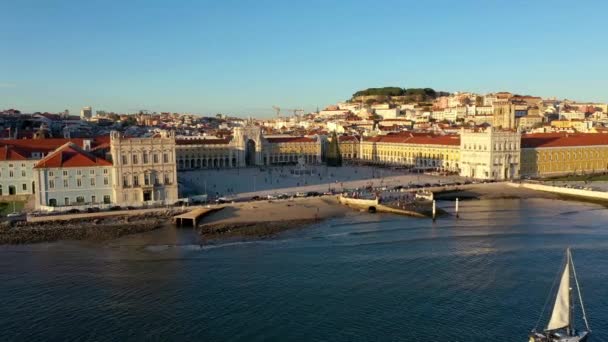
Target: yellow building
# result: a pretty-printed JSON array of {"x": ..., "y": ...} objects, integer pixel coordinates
[
  {"x": 287, "y": 150},
  {"x": 563, "y": 153},
  {"x": 574, "y": 124},
  {"x": 251, "y": 149},
  {"x": 349, "y": 146},
  {"x": 422, "y": 151},
  {"x": 203, "y": 153}
]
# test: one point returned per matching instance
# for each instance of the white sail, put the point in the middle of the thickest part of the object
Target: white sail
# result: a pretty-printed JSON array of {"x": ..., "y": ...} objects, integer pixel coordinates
[{"x": 560, "y": 318}]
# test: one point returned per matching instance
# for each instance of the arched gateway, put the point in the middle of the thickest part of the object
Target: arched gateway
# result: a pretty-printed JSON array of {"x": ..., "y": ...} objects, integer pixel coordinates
[{"x": 250, "y": 153}]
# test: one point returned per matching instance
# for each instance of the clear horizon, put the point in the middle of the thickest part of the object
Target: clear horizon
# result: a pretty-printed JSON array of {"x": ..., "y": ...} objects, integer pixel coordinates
[{"x": 241, "y": 58}]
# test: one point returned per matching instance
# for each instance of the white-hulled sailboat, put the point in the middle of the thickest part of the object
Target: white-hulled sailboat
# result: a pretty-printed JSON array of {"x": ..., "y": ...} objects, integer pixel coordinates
[{"x": 561, "y": 325}]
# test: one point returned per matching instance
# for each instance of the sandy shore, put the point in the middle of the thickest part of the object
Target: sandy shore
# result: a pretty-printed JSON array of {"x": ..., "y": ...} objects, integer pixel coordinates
[
  {"x": 266, "y": 218},
  {"x": 492, "y": 191}
]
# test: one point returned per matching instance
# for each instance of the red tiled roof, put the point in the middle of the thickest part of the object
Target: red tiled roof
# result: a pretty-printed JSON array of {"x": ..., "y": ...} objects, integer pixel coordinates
[
  {"x": 347, "y": 138},
  {"x": 278, "y": 140},
  {"x": 563, "y": 139},
  {"x": 223, "y": 141},
  {"x": 103, "y": 146},
  {"x": 52, "y": 143},
  {"x": 416, "y": 138},
  {"x": 10, "y": 153},
  {"x": 70, "y": 155}
]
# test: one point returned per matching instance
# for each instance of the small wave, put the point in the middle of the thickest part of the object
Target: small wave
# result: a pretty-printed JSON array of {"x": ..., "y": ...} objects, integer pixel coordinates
[
  {"x": 360, "y": 223},
  {"x": 205, "y": 247}
]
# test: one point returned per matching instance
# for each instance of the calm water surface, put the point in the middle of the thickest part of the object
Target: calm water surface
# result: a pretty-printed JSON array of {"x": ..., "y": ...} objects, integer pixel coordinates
[{"x": 484, "y": 277}]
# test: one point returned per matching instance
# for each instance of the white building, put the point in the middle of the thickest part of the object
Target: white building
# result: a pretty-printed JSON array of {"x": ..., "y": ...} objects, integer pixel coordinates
[
  {"x": 72, "y": 177},
  {"x": 333, "y": 113},
  {"x": 572, "y": 115},
  {"x": 144, "y": 170},
  {"x": 490, "y": 154},
  {"x": 335, "y": 126},
  {"x": 17, "y": 160},
  {"x": 86, "y": 113},
  {"x": 388, "y": 113},
  {"x": 488, "y": 99}
]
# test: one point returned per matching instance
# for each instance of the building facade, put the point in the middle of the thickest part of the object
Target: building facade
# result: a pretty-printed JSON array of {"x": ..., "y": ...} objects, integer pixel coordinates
[
  {"x": 421, "y": 151},
  {"x": 504, "y": 115},
  {"x": 71, "y": 176},
  {"x": 490, "y": 154},
  {"x": 86, "y": 113},
  {"x": 554, "y": 154},
  {"x": 18, "y": 157},
  {"x": 349, "y": 147},
  {"x": 144, "y": 169},
  {"x": 247, "y": 147}
]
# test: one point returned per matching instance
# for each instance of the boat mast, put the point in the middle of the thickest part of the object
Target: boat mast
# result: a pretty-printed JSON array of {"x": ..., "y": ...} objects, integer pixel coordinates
[
  {"x": 570, "y": 312},
  {"x": 578, "y": 288}
]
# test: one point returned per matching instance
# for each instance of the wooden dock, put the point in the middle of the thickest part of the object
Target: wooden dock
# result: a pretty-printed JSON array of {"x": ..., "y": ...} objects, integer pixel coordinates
[{"x": 193, "y": 216}]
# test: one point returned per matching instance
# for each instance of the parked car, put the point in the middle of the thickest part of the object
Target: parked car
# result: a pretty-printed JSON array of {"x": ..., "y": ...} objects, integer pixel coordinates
[
  {"x": 116, "y": 207},
  {"x": 73, "y": 211},
  {"x": 93, "y": 210},
  {"x": 14, "y": 214}
]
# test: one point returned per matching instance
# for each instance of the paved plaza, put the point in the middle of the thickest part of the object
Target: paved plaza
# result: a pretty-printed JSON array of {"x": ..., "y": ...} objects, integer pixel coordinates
[{"x": 276, "y": 180}]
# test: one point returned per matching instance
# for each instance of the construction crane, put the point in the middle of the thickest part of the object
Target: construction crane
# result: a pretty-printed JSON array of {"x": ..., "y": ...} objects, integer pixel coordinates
[
  {"x": 295, "y": 111},
  {"x": 278, "y": 110}
]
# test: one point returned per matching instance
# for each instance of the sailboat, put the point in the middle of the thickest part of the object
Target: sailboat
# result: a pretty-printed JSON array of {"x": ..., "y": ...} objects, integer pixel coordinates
[{"x": 561, "y": 325}]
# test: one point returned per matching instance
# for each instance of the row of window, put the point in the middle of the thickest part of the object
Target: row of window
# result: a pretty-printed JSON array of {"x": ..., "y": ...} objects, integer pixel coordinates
[
  {"x": 12, "y": 190},
  {"x": 145, "y": 158},
  {"x": 79, "y": 172},
  {"x": 565, "y": 156},
  {"x": 79, "y": 182},
  {"x": 11, "y": 173},
  {"x": 497, "y": 147},
  {"x": 79, "y": 200},
  {"x": 417, "y": 162},
  {"x": 411, "y": 150},
  {"x": 12, "y": 165},
  {"x": 409, "y": 155},
  {"x": 149, "y": 179}
]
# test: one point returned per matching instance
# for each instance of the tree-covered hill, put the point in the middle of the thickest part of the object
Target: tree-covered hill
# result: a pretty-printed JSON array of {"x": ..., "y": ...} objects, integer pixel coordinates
[{"x": 401, "y": 94}]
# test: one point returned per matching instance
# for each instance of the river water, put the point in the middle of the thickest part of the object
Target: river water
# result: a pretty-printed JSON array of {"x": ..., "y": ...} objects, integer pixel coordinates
[{"x": 484, "y": 277}]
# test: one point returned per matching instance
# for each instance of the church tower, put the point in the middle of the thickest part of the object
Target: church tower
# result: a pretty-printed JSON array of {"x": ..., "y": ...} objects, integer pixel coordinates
[{"x": 504, "y": 115}]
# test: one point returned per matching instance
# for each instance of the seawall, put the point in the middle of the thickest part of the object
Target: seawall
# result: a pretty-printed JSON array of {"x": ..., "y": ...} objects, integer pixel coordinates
[
  {"x": 375, "y": 206},
  {"x": 598, "y": 195}
]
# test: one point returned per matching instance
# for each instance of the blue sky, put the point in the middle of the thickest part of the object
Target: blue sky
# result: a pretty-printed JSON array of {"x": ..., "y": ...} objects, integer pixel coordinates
[{"x": 242, "y": 57}]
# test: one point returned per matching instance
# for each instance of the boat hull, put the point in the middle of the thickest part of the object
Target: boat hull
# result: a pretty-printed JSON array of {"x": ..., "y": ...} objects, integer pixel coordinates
[{"x": 580, "y": 337}]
